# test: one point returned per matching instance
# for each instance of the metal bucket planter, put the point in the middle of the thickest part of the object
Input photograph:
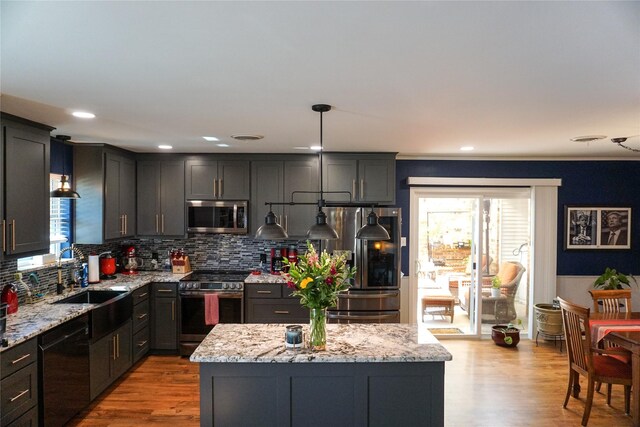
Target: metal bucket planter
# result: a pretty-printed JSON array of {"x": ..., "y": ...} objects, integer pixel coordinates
[{"x": 549, "y": 319}]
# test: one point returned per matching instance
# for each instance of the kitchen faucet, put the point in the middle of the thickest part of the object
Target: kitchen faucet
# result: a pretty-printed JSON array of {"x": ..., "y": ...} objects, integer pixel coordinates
[{"x": 59, "y": 286}]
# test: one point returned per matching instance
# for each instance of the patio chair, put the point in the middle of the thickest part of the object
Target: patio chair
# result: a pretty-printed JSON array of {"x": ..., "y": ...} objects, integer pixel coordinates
[{"x": 590, "y": 362}]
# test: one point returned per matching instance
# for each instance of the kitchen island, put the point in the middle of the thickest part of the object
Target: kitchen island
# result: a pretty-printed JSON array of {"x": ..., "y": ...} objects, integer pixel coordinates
[{"x": 370, "y": 375}]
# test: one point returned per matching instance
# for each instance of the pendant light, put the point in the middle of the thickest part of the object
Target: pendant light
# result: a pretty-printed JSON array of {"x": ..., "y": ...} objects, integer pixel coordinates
[
  {"x": 321, "y": 230},
  {"x": 64, "y": 190},
  {"x": 372, "y": 230},
  {"x": 271, "y": 230}
]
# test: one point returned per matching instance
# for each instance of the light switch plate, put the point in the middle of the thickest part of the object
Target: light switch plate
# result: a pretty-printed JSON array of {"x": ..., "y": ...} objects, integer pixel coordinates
[{"x": 403, "y": 241}]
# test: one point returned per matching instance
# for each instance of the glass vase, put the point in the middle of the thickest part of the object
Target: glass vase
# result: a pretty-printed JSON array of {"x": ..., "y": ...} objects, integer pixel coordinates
[{"x": 318, "y": 329}]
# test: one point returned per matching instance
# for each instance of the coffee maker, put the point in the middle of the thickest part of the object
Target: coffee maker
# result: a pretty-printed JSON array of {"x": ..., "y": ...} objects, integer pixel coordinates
[
  {"x": 130, "y": 262},
  {"x": 277, "y": 256}
]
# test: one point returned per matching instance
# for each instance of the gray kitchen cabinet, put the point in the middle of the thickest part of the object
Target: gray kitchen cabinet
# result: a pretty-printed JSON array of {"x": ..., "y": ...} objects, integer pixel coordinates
[
  {"x": 217, "y": 179},
  {"x": 24, "y": 184},
  {"x": 19, "y": 384},
  {"x": 164, "y": 309},
  {"x": 272, "y": 303},
  {"x": 109, "y": 358},
  {"x": 141, "y": 320},
  {"x": 105, "y": 178},
  {"x": 274, "y": 181},
  {"x": 160, "y": 195},
  {"x": 368, "y": 177}
]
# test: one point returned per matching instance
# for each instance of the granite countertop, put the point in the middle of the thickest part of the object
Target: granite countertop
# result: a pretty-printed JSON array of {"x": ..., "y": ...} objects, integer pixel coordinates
[
  {"x": 346, "y": 343},
  {"x": 34, "y": 319},
  {"x": 265, "y": 278}
]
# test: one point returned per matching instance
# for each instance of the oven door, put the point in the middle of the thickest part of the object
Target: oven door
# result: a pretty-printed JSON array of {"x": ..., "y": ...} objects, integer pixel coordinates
[{"x": 192, "y": 323}]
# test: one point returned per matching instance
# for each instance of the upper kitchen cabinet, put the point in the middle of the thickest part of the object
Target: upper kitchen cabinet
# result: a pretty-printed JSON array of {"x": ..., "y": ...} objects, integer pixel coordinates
[
  {"x": 105, "y": 178},
  {"x": 217, "y": 179},
  {"x": 368, "y": 177},
  {"x": 161, "y": 198},
  {"x": 275, "y": 181},
  {"x": 24, "y": 183}
]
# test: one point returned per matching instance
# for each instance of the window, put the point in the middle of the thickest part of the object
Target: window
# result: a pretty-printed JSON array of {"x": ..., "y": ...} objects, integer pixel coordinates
[{"x": 59, "y": 227}]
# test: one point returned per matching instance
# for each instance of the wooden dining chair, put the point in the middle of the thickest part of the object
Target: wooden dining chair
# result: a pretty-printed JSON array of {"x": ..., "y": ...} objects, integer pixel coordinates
[
  {"x": 611, "y": 301},
  {"x": 593, "y": 363}
]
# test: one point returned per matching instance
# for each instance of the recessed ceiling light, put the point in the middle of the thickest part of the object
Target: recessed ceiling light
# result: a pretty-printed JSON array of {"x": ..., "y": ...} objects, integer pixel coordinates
[
  {"x": 315, "y": 148},
  {"x": 83, "y": 114},
  {"x": 466, "y": 148},
  {"x": 247, "y": 137},
  {"x": 211, "y": 138},
  {"x": 165, "y": 147},
  {"x": 588, "y": 138},
  {"x": 222, "y": 145}
]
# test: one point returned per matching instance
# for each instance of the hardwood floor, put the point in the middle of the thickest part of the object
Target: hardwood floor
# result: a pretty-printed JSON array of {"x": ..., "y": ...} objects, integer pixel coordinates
[{"x": 485, "y": 385}]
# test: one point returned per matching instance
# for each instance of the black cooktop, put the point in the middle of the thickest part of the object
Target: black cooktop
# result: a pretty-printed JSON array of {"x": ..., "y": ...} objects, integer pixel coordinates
[{"x": 216, "y": 276}]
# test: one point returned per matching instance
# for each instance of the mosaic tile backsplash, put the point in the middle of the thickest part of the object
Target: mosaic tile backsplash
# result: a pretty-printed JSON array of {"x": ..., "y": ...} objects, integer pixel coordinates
[{"x": 206, "y": 251}]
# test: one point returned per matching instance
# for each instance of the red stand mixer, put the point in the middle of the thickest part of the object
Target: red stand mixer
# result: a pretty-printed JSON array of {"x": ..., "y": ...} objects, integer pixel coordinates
[{"x": 131, "y": 262}]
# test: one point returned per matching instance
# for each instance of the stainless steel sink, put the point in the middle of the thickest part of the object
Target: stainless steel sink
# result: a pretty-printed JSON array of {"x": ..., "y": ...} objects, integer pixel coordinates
[{"x": 113, "y": 309}]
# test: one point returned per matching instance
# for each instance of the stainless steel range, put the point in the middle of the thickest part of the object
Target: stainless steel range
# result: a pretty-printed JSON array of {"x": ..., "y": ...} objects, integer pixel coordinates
[{"x": 229, "y": 285}]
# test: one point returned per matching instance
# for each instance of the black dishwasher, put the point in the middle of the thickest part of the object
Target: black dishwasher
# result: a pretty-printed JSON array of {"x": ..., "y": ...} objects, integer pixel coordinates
[{"x": 64, "y": 371}]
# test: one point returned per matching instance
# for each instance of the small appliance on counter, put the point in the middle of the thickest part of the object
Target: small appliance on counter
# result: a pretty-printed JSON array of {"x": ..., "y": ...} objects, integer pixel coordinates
[
  {"x": 3, "y": 319},
  {"x": 94, "y": 269},
  {"x": 131, "y": 261},
  {"x": 277, "y": 256},
  {"x": 10, "y": 297},
  {"x": 107, "y": 266}
]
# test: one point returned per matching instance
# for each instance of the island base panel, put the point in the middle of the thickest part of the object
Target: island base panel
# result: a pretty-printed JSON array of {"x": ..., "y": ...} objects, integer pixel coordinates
[{"x": 321, "y": 394}]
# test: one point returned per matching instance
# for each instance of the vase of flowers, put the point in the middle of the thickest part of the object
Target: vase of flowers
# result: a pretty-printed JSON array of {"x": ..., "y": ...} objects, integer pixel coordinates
[{"x": 318, "y": 279}]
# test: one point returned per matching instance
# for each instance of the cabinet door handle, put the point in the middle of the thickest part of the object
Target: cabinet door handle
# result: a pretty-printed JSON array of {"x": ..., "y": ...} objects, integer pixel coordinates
[
  {"x": 142, "y": 316},
  {"x": 220, "y": 187},
  {"x": 162, "y": 223},
  {"x": 125, "y": 224},
  {"x": 13, "y": 362},
  {"x": 157, "y": 228},
  {"x": 353, "y": 189},
  {"x": 142, "y": 343},
  {"x": 215, "y": 187},
  {"x": 113, "y": 339},
  {"x": 4, "y": 236},
  {"x": 264, "y": 292},
  {"x": 142, "y": 295},
  {"x": 362, "y": 188},
  {"x": 13, "y": 234},
  {"x": 164, "y": 290},
  {"x": 280, "y": 312},
  {"x": 121, "y": 225},
  {"x": 19, "y": 395},
  {"x": 173, "y": 310},
  {"x": 118, "y": 346},
  {"x": 286, "y": 223}
]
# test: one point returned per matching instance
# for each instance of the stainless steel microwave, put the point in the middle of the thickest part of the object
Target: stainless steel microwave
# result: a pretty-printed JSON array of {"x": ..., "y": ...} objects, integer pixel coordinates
[{"x": 208, "y": 216}]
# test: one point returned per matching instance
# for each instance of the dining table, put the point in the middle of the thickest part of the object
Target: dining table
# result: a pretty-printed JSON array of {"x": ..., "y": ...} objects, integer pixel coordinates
[{"x": 628, "y": 338}]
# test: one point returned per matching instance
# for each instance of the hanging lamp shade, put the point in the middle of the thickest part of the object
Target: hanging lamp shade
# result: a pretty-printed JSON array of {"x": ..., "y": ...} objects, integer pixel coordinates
[
  {"x": 321, "y": 230},
  {"x": 64, "y": 191},
  {"x": 373, "y": 230},
  {"x": 271, "y": 230}
]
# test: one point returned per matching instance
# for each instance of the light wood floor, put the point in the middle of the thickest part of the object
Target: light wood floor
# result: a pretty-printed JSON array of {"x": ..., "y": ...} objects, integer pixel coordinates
[{"x": 485, "y": 385}]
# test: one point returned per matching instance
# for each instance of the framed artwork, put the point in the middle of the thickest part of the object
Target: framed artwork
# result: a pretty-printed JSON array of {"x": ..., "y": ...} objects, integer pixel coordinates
[{"x": 597, "y": 227}]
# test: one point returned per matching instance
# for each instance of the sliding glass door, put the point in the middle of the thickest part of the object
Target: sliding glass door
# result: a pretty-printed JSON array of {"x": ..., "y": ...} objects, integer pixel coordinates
[{"x": 464, "y": 240}]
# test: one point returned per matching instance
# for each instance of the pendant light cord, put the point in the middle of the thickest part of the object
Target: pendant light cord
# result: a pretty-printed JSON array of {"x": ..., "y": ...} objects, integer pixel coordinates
[{"x": 321, "y": 201}]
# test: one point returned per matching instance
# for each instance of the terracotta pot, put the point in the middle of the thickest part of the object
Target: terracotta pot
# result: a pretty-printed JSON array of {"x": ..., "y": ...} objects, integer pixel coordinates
[{"x": 504, "y": 336}]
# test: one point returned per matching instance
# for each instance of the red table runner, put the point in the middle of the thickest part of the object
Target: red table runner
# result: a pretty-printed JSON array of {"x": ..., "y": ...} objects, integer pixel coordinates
[{"x": 600, "y": 328}]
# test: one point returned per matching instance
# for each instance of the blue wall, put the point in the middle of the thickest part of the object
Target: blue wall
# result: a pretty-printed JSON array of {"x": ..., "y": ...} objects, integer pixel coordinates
[{"x": 593, "y": 183}]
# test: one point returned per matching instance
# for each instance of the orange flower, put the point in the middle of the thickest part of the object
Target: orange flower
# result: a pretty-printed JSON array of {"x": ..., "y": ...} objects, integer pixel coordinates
[{"x": 305, "y": 282}]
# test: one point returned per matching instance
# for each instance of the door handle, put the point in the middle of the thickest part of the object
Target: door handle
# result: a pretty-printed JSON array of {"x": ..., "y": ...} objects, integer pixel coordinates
[
  {"x": 113, "y": 339},
  {"x": 173, "y": 310},
  {"x": 13, "y": 362},
  {"x": 362, "y": 188},
  {"x": 220, "y": 187},
  {"x": 125, "y": 224},
  {"x": 142, "y": 316},
  {"x": 286, "y": 223},
  {"x": 353, "y": 188},
  {"x": 162, "y": 222},
  {"x": 157, "y": 228},
  {"x": 281, "y": 312},
  {"x": 215, "y": 187},
  {"x": 264, "y": 292},
  {"x": 13, "y": 234},
  {"x": 122, "y": 225},
  {"x": 4, "y": 236},
  {"x": 142, "y": 295},
  {"x": 164, "y": 290},
  {"x": 142, "y": 343}
]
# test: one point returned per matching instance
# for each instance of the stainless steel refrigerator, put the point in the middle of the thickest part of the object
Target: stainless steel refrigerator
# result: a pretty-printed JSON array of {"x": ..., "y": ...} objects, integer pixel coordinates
[{"x": 374, "y": 296}]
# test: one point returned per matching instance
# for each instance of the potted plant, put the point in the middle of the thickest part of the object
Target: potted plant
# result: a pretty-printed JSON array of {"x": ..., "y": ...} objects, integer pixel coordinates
[
  {"x": 506, "y": 335},
  {"x": 495, "y": 287},
  {"x": 611, "y": 280}
]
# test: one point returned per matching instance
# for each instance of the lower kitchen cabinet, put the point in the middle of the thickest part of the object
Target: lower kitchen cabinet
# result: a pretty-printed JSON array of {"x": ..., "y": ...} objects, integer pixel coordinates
[
  {"x": 272, "y": 303},
  {"x": 19, "y": 385},
  {"x": 141, "y": 321},
  {"x": 164, "y": 328},
  {"x": 110, "y": 357}
]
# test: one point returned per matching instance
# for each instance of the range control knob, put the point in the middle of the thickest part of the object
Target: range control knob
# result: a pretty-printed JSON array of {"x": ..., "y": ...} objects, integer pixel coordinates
[
  {"x": 181, "y": 286},
  {"x": 225, "y": 286}
]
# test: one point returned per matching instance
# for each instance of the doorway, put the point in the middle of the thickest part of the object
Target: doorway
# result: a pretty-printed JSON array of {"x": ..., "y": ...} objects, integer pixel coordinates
[{"x": 463, "y": 241}]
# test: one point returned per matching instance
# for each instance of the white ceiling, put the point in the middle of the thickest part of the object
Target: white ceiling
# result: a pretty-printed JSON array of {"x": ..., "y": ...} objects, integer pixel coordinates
[{"x": 513, "y": 79}]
